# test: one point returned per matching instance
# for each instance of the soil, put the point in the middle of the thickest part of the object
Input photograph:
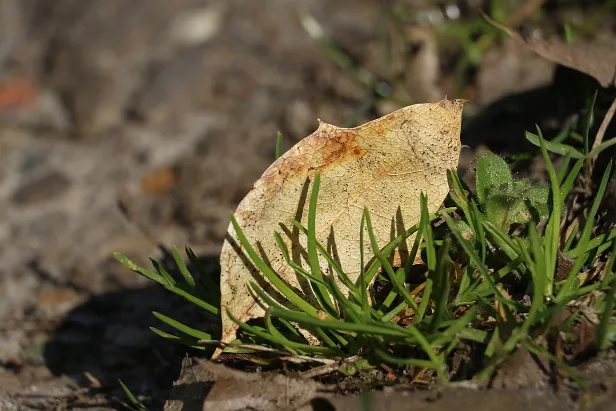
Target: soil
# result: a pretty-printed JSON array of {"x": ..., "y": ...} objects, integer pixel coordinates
[{"x": 126, "y": 125}]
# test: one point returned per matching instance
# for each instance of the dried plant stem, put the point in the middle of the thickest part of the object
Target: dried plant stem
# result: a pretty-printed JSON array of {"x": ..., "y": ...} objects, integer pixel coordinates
[
  {"x": 328, "y": 368},
  {"x": 604, "y": 124}
]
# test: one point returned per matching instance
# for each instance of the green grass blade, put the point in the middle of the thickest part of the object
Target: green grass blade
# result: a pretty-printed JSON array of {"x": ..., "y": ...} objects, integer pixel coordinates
[
  {"x": 608, "y": 274},
  {"x": 427, "y": 232},
  {"x": 406, "y": 361},
  {"x": 182, "y": 266},
  {"x": 363, "y": 286},
  {"x": 274, "y": 305},
  {"x": 562, "y": 135},
  {"x": 188, "y": 295},
  {"x": 470, "y": 334},
  {"x": 502, "y": 239},
  {"x": 204, "y": 279},
  {"x": 134, "y": 401},
  {"x": 188, "y": 342},
  {"x": 390, "y": 247},
  {"x": 568, "y": 184},
  {"x": 273, "y": 339},
  {"x": 330, "y": 260},
  {"x": 393, "y": 293},
  {"x": 200, "y": 335},
  {"x": 564, "y": 167},
  {"x": 552, "y": 230},
  {"x": 464, "y": 288},
  {"x": 476, "y": 261},
  {"x": 313, "y": 258},
  {"x": 362, "y": 328},
  {"x": 476, "y": 218},
  {"x": 351, "y": 311},
  {"x": 441, "y": 285},
  {"x": 457, "y": 327},
  {"x": 267, "y": 299},
  {"x": 278, "y": 145},
  {"x": 601, "y": 335},
  {"x": 542, "y": 274},
  {"x": 393, "y": 312},
  {"x": 557, "y": 148},
  {"x": 415, "y": 248},
  {"x": 140, "y": 270},
  {"x": 602, "y": 241},
  {"x": 269, "y": 325},
  {"x": 460, "y": 197},
  {"x": 586, "y": 232},
  {"x": 588, "y": 120},
  {"x": 568, "y": 34},
  {"x": 571, "y": 238},
  {"x": 426, "y": 229},
  {"x": 399, "y": 286},
  {"x": 297, "y": 268},
  {"x": 602, "y": 341},
  {"x": 353, "y": 292},
  {"x": 597, "y": 150},
  {"x": 159, "y": 268}
]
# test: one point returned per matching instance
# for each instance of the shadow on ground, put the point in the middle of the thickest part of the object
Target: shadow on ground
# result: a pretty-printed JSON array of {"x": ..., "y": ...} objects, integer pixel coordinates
[{"x": 108, "y": 337}]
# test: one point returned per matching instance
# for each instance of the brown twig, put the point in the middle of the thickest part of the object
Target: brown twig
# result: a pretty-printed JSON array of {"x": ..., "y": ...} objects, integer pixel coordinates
[
  {"x": 326, "y": 369},
  {"x": 284, "y": 355},
  {"x": 604, "y": 124}
]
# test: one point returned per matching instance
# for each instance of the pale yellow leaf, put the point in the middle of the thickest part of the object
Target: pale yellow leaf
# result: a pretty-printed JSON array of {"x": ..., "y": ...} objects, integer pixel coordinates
[{"x": 383, "y": 165}]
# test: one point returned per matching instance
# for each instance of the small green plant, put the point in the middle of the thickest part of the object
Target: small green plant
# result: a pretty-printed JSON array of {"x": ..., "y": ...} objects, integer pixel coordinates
[
  {"x": 506, "y": 201},
  {"x": 503, "y": 200}
]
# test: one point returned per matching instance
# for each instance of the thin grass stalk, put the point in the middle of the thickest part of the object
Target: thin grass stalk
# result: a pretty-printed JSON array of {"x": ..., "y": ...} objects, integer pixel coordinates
[{"x": 313, "y": 258}]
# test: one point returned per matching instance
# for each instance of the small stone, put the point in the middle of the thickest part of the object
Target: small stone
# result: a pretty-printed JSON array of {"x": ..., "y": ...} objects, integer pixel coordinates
[{"x": 193, "y": 27}]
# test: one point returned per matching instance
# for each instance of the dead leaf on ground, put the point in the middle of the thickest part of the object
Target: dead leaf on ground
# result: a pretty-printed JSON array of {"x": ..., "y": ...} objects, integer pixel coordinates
[
  {"x": 447, "y": 398},
  {"x": 204, "y": 385},
  {"x": 510, "y": 69},
  {"x": 597, "y": 59},
  {"x": 383, "y": 165}
]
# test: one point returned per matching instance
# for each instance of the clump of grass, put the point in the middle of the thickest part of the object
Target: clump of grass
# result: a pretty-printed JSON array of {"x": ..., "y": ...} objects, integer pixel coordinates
[{"x": 491, "y": 281}]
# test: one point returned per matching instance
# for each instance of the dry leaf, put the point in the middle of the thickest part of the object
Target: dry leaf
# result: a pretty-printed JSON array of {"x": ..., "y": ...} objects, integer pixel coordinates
[
  {"x": 236, "y": 390},
  {"x": 383, "y": 165},
  {"x": 597, "y": 59},
  {"x": 204, "y": 385}
]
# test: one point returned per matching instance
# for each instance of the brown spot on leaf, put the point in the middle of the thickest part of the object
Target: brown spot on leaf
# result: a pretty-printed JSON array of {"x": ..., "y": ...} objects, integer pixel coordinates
[{"x": 337, "y": 148}]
